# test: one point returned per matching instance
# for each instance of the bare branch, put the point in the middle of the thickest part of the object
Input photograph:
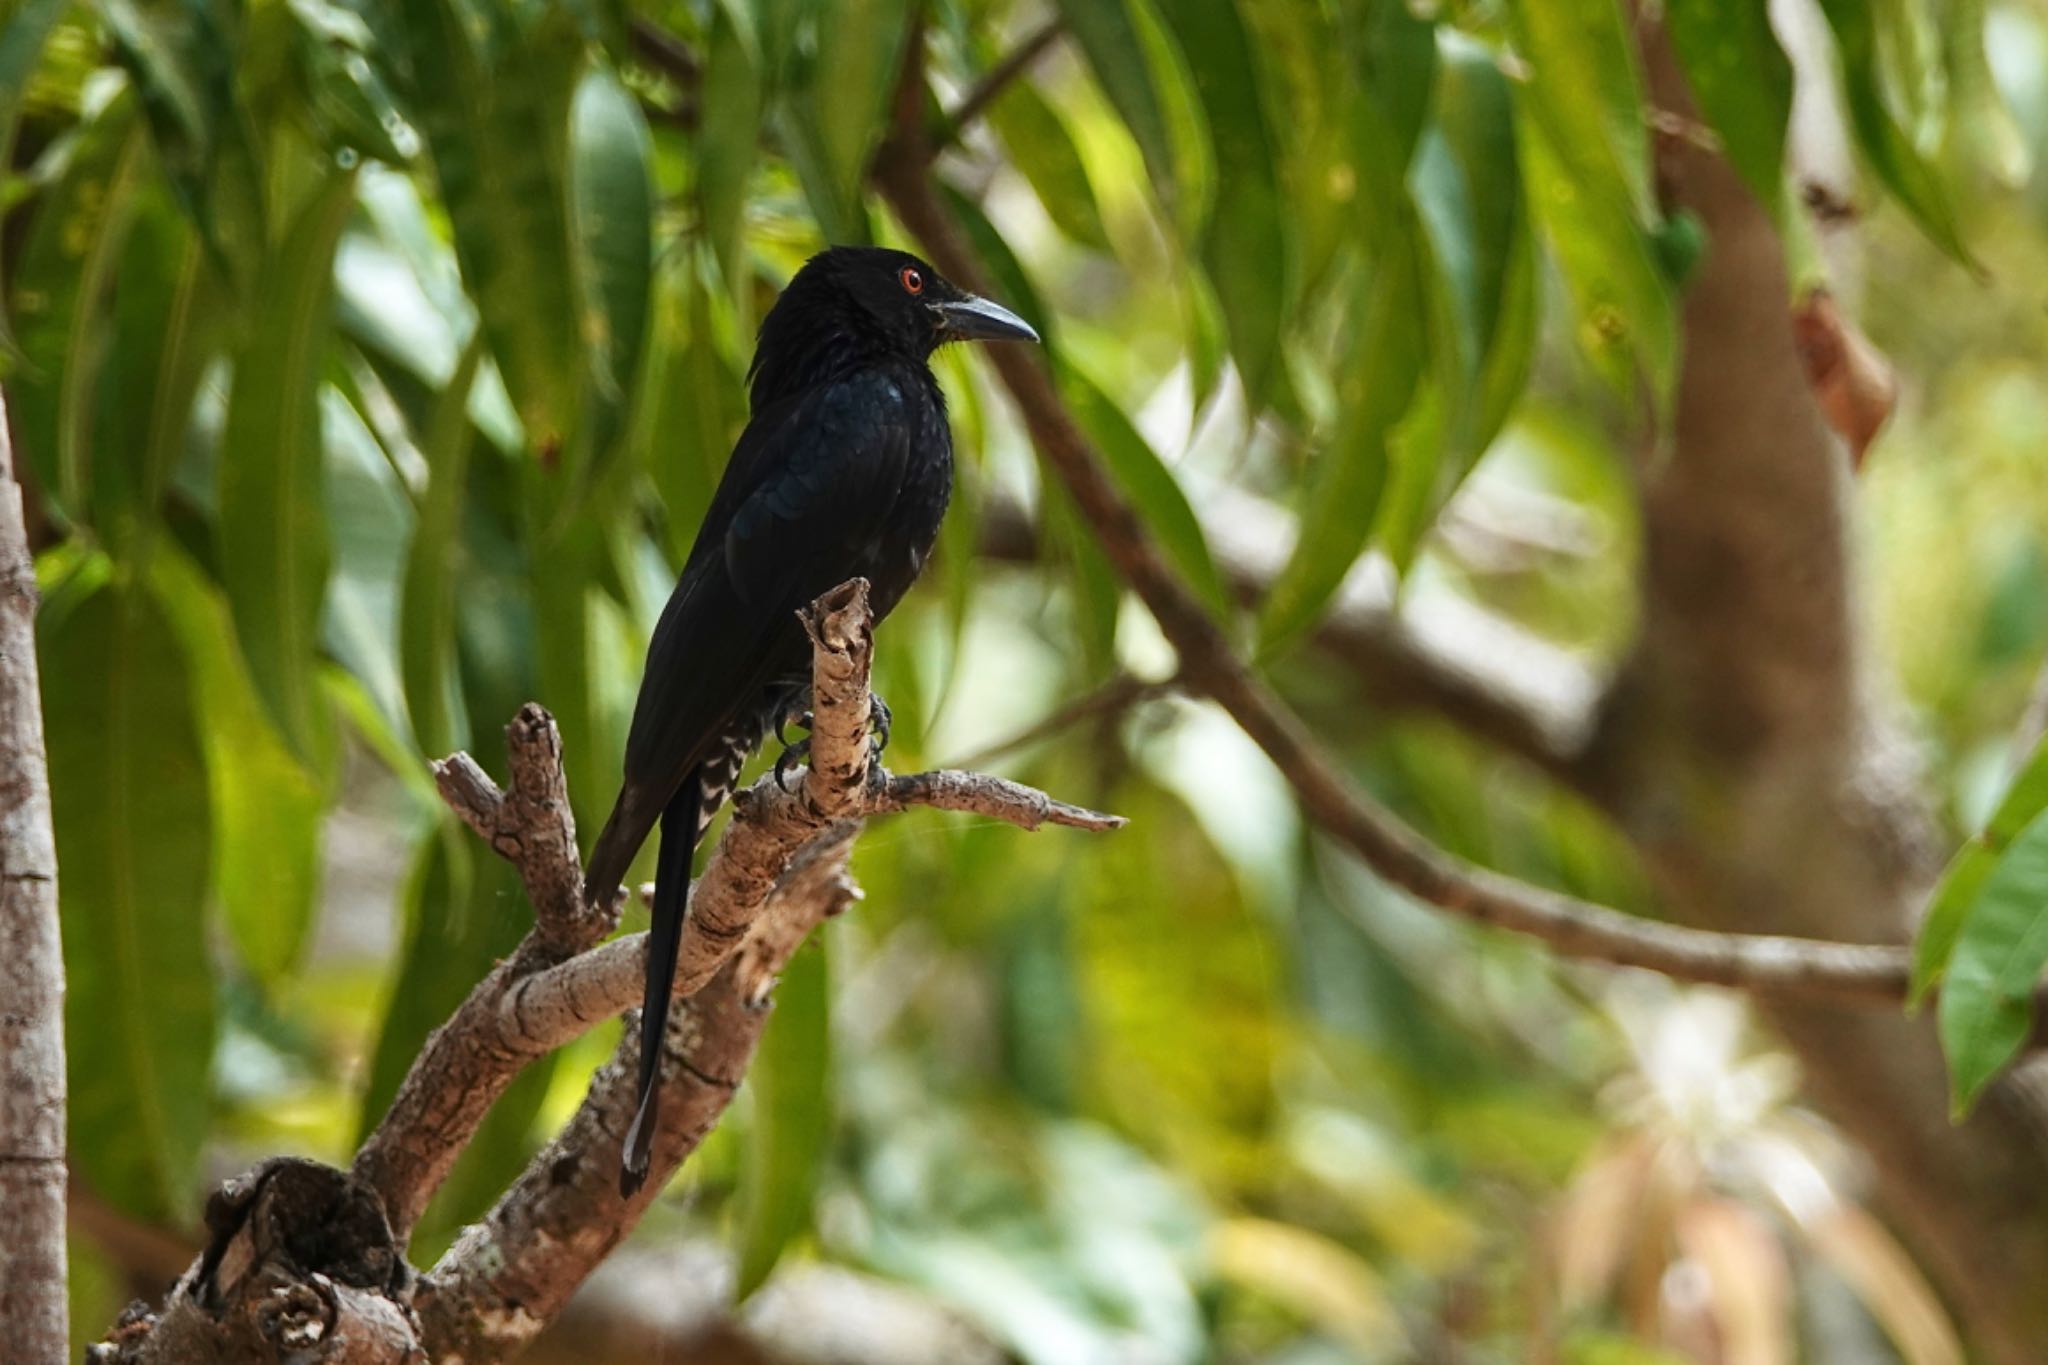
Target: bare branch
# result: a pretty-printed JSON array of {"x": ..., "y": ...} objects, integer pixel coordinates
[
  {"x": 33, "y": 1319},
  {"x": 778, "y": 871}
]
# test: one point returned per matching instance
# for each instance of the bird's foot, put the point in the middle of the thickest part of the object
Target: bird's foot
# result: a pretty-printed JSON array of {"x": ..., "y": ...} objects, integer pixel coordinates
[
  {"x": 879, "y": 721},
  {"x": 795, "y": 751}
]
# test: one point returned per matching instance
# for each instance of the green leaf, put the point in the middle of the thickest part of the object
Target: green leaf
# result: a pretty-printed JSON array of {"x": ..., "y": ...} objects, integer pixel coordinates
[
  {"x": 182, "y": 60},
  {"x": 1987, "y": 996},
  {"x": 273, "y": 518},
  {"x": 64, "y": 274},
  {"x": 128, "y": 795},
  {"x": 1910, "y": 177},
  {"x": 1041, "y": 147},
  {"x": 728, "y": 140},
  {"x": 1389, "y": 352},
  {"x": 494, "y": 108},
  {"x": 1742, "y": 82},
  {"x": 1956, "y": 895},
  {"x": 1585, "y": 155},
  {"x": 1246, "y": 248},
  {"x": 167, "y": 319},
  {"x": 844, "y": 100},
  {"x": 562, "y": 569},
  {"x": 791, "y": 1121},
  {"x": 611, "y": 212},
  {"x": 1138, "y": 65},
  {"x": 345, "y": 96},
  {"x": 23, "y": 32},
  {"x": 1150, "y": 485},
  {"x": 426, "y": 640},
  {"x": 1481, "y": 307},
  {"x": 371, "y": 517},
  {"x": 267, "y": 807},
  {"x": 696, "y": 409}
]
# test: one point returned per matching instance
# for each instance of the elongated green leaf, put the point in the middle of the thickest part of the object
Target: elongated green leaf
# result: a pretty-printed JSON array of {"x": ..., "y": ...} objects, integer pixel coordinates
[
  {"x": 1142, "y": 70},
  {"x": 1585, "y": 154},
  {"x": 1986, "y": 1005},
  {"x": 841, "y": 104},
  {"x": 727, "y": 140},
  {"x": 344, "y": 94},
  {"x": 426, "y": 649},
  {"x": 1742, "y": 81},
  {"x": 1041, "y": 147},
  {"x": 1376, "y": 385},
  {"x": 73, "y": 245},
  {"x": 696, "y": 410},
  {"x": 611, "y": 214},
  {"x": 182, "y": 59},
  {"x": 1465, "y": 182},
  {"x": 267, "y": 807},
  {"x": 1910, "y": 177},
  {"x": 791, "y": 1119},
  {"x": 273, "y": 522},
  {"x": 1246, "y": 248},
  {"x": 23, "y": 31},
  {"x": 371, "y": 515},
  {"x": 494, "y": 107},
  {"x": 563, "y": 567},
  {"x": 166, "y": 327},
  {"x": 128, "y": 795},
  {"x": 1956, "y": 895},
  {"x": 1149, "y": 484}
]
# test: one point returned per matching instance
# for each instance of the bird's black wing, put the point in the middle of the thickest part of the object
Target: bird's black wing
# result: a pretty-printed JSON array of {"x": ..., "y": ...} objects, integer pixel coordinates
[{"x": 804, "y": 504}]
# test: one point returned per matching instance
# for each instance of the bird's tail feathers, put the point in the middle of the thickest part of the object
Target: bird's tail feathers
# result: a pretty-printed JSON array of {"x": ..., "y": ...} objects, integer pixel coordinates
[{"x": 679, "y": 833}]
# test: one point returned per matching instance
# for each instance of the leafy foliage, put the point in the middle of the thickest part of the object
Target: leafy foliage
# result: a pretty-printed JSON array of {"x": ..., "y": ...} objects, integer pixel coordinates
[{"x": 371, "y": 362}]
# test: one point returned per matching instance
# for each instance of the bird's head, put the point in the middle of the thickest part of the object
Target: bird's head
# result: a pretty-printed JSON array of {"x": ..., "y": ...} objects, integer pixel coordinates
[{"x": 879, "y": 297}]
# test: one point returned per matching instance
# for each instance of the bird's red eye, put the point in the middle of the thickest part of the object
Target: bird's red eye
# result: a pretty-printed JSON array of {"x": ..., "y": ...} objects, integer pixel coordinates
[{"x": 913, "y": 281}]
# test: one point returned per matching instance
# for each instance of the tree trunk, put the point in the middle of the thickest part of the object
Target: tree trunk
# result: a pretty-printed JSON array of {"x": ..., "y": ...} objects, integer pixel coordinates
[
  {"x": 1747, "y": 752},
  {"x": 33, "y": 1327}
]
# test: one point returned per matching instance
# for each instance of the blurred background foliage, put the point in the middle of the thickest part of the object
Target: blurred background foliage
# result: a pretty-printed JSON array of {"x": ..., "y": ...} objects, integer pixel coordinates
[{"x": 370, "y": 362}]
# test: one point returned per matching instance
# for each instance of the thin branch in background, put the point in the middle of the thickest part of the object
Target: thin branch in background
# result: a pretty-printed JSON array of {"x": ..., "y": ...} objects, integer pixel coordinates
[
  {"x": 1120, "y": 694},
  {"x": 1875, "y": 974},
  {"x": 33, "y": 1315},
  {"x": 993, "y": 82}
]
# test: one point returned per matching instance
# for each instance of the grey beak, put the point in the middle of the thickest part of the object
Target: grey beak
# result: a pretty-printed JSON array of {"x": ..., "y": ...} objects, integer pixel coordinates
[{"x": 976, "y": 319}]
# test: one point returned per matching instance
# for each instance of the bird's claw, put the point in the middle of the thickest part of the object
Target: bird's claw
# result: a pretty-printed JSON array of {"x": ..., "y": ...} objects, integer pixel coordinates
[
  {"x": 801, "y": 719},
  {"x": 791, "y": 755},
  {"x": 879, "y": 720}
]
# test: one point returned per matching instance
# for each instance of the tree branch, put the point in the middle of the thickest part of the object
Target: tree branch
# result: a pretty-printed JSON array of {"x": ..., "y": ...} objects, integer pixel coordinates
[
  {"x": 1454, "y": 660},
  {"x": 33, "y": 1319},
  {"x": 1400, "y": 855},
  {"x": 778, "y": 871},
  {"x": 993, "y": 82}
]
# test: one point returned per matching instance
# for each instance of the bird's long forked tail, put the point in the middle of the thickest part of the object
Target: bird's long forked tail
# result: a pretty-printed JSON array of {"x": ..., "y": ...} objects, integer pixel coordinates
[{"x": 681, "y": 825}]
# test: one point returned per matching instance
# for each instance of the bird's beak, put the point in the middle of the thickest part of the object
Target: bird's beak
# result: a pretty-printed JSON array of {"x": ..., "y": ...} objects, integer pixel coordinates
[{"x": 976, "y": 319}]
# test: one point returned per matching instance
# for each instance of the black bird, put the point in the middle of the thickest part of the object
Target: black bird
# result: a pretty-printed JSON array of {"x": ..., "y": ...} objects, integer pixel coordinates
[{"x": 844, "y": 470}]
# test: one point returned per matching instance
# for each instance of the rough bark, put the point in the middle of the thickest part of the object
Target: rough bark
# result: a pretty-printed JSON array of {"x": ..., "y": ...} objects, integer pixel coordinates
[{"x": 33, "y": 1323}]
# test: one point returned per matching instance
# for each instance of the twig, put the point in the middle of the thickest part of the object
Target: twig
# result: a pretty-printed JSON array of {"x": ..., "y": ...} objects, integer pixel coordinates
[
  {"x": 1399, "y": 854},
  {"x": 33, "y": 1318},
  {"x": 1120, "y": 694},
  {"x": 993, "y": 82}
]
